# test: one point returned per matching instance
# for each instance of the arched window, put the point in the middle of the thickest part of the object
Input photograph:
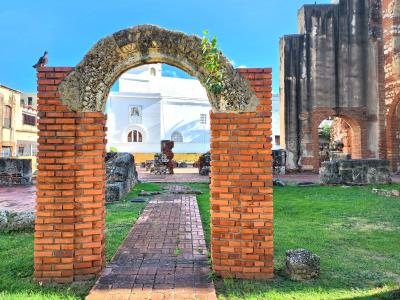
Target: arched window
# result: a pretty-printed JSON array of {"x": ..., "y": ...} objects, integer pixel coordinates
[
  {"x": 135, "y": 136},
  {"x": 177, "y": 137},
  {"x": 153, "y": 71}
]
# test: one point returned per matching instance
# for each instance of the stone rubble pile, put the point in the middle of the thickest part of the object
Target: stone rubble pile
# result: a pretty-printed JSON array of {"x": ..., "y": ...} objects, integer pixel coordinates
[
  {"x": 121, "y": 175},
  {"x": 386, "y": 193},
  {"x": 15, "y": 221},
  {"x": 355, "y": 172}
]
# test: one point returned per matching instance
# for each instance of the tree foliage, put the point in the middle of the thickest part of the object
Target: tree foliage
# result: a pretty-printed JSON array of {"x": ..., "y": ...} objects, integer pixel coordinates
[{"x": 325, "y": 133}]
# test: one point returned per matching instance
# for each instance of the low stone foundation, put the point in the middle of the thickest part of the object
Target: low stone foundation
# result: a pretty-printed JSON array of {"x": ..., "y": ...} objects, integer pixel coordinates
[
  {"x": 121, "y": 175},
  {"x": 355, "y": 172},
  {"x": 15, "y": 171}
]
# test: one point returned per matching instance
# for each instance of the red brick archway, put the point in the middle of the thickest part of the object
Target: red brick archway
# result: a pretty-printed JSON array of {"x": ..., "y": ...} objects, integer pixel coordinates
[
  {"x": 69, "y": 231},
  {"x": 356, "y": 121},
  {"x": 393, "y": 134}
]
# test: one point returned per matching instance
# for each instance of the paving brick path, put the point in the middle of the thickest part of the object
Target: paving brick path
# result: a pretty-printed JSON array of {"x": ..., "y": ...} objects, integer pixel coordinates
[
  {"x": 182, "y": 175},
  {"x": 18, "y": 198},
  {"x": 163, "y": 257}
]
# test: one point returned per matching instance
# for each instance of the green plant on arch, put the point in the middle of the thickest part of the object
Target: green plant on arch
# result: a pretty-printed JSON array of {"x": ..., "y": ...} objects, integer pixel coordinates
[{"x": 211, "y": 63}]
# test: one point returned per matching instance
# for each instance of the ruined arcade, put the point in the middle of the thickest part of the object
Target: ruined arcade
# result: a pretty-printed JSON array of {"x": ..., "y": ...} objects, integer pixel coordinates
[{"x": 341, "y": 64}]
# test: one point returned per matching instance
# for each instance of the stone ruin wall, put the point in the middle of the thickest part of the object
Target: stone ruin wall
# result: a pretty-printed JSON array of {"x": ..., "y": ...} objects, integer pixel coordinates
[
  {"x": 332, "y": 67},
  {"x": 121, "y": 175},
  {"x": 391, "y": 37}
]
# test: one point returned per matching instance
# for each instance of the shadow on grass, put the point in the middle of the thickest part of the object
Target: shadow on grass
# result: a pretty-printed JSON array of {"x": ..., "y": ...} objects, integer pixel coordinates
[
  {"x": 281, "y": 288},
  {"x": 390, "y": 295}
]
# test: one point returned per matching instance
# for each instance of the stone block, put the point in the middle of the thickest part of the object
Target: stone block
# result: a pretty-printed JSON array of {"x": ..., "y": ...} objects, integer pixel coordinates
[
  {"x": 21, "y": 220},
  {"x": 15, "y": 171},
  {"x": 121, "y": 175},
  {"x": 355, "y": 172},
  {"x": 113, "y": 192},
  {"x": 15, "y": 221},
  {"x": 302, "y": 265}
]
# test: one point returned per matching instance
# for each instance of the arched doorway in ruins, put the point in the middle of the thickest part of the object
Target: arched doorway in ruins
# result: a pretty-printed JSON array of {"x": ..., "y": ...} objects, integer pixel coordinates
[
  {"x": 336, "y": 136},
  {"x": 393, "y": 134},
  {"x": 337, "y": 140}
]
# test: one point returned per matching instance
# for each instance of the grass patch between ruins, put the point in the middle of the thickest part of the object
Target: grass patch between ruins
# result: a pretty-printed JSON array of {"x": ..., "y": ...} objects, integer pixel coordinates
[
  {"x": 16, "y": 253},
  {"x": 355, "y": 232}
]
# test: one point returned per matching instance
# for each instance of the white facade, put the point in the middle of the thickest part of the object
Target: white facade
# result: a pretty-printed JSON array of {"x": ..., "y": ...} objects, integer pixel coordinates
[
  {"x": 150, "y": 107},
  {"x": 275, "y": 122}
]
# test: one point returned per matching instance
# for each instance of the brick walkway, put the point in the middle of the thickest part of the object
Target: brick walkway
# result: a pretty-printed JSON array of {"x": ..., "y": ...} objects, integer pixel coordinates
[
  {"x": 163, "y": 257},
  {"x": 18, "y": 198},
  {"x": 182, "y": 175}
]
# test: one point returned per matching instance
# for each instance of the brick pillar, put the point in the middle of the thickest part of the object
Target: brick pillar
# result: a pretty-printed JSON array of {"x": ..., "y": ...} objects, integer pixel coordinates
[
  {"x": 241, "y": 187},
  {"x": 69, "y": 238}
]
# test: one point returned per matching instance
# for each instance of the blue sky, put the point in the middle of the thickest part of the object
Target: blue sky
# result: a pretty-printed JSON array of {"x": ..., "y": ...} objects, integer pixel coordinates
[{"x": 248, "y": 34}]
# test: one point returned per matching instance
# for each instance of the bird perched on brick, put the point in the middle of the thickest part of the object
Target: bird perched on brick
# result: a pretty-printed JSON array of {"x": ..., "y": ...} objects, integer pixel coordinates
[{"x": 42, "y": 61}]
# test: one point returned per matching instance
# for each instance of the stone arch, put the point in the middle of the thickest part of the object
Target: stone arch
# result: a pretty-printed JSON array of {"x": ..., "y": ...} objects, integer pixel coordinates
[
  {"x": 87, "y": 87},
  {"x": 70, "y": 219}
]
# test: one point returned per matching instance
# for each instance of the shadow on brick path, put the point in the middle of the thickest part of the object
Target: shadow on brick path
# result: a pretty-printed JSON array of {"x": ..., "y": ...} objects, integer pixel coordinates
[{"x": 163, "y": 257}]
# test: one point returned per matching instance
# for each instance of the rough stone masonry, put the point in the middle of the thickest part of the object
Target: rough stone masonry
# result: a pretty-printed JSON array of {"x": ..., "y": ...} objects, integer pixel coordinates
[
  {"x": 343, "y": 62},
  {"x": 121, "y": 175}
]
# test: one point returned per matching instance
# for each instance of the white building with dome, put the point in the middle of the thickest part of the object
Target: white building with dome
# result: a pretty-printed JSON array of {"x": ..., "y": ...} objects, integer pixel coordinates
[{"x": 149, "y": 107}]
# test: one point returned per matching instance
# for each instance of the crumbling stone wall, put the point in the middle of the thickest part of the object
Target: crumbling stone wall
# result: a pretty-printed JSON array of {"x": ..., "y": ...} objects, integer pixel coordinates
[
  {"x": 332, "y": 67},
  {"x": 121, "y": 175},
  {"x": 15, "y": 171},
  {"x": 355, "y": 172}
]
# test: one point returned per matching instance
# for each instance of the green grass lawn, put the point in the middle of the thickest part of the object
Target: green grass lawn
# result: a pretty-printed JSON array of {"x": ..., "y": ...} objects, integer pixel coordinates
[
  {"x": 16, "y": 254},
  {"x": 356, "y": 234}
]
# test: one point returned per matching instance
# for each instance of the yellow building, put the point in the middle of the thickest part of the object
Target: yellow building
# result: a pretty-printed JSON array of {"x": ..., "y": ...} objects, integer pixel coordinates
[{"x": 18, "y": 130}]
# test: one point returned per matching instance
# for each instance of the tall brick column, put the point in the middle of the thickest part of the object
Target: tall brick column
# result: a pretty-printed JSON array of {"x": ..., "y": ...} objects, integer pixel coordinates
[
  {"x": 241, "y": 187},
  {"x": 69, "y": 230}
]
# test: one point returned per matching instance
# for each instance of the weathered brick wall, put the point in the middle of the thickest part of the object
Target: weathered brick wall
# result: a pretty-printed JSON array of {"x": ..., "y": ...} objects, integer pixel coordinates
[
  {"x": 391, "y": 38},
  {"x": 69, "y": 230},
  {"x": 241, "y": 187},
  {"x": 341, "y": 131}
]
